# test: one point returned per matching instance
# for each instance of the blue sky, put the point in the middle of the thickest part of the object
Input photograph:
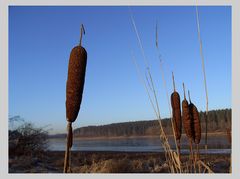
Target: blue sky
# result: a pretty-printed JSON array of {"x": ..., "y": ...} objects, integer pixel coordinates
[{"x": 41, "y": 38}]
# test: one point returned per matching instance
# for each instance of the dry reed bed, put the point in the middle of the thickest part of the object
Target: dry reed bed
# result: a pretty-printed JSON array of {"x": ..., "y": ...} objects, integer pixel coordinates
[
  {"x": 108, "y": 162},
  {"x": 190, "y": 116}
]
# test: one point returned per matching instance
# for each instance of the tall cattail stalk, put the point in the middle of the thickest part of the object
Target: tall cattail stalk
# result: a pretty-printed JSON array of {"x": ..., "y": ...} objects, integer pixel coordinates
[
  {"x": 205, "y": 80},
  {"x": 74, "y": 91},
  {"x": 187, "y": 122},
  {"x": 176, "y": 115},
  {"x": 196, "y": 125}
]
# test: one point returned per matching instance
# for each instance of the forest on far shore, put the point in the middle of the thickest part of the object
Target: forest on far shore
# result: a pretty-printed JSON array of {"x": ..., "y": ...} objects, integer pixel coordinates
[{"x": 218, "y": 121}]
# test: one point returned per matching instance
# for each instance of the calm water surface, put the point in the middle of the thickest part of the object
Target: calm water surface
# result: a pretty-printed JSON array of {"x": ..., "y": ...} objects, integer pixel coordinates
[{"x": 216, "y": 145}]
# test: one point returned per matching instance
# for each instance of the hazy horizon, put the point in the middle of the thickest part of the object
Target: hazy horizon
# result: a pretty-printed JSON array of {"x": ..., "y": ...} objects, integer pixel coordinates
[{"x": 41, "y": 39}]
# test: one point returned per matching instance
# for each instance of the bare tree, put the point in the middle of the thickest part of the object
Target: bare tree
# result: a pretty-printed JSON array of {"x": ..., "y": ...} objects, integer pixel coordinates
[{"x": 26, "y": 139}]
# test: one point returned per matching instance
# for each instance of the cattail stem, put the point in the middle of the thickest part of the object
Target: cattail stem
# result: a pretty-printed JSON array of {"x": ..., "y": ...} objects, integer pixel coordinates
[
  {"x": 192, "y": 156},
  {"x": 197, "y": 157},
  {"x": 179, "y": 149},
  {"x": 191, "y": 150},
  {"x": 68, "y": 148},
  {"x": 189, "y": 97},
  {"x": 82, "y": 32},
  {"x": 184, "y": 91},
  {"x": 174, "y": 88}
]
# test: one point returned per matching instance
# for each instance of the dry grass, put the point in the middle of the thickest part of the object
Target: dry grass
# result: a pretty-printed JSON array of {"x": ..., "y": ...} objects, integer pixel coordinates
[{"x": 114, "y": 162}]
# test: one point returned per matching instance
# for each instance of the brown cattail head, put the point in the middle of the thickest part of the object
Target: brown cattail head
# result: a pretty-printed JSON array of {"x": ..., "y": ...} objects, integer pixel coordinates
[
  {"x": 196, "y": 124},
  {"x": 75, "y": 82},
  {"x": 187, "y": 123},
  {"x": 176, "y": 112}
]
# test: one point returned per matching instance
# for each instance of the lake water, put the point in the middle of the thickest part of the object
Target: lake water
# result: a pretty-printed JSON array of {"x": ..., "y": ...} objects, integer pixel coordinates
[{"x": 133, "y": 145}]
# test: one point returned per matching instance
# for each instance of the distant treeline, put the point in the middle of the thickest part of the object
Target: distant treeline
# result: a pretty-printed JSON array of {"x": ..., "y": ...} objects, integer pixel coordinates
[{"x": 218, "y": 121}]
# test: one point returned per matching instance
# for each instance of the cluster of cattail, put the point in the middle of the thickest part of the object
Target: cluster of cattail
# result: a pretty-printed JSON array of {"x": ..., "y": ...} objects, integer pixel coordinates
[
  {"x": 176, "y": 115},
  {"x": 75, "y": 83},
  {"x": 190, "y": 119}
]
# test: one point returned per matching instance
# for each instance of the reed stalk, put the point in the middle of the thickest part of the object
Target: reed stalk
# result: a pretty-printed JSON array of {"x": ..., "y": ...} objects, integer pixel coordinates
[{"x": 205, "y": 80}]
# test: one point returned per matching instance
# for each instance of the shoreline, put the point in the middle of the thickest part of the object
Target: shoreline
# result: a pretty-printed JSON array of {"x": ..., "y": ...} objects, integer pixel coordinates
[
  {"x": 217, "y": 141},
  {"x": 133, "y": 137}
]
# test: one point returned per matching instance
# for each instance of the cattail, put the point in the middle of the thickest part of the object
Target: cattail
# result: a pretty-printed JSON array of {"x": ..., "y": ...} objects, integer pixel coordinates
[
  {"x": 176, "y": 110},
  {"x": 186, "y": 116},
  {"x": 196, "y": 124},
  {"x": 187, "y": 122},
  {"x": 176, "y": 114},
  {"x": 75, "y": 82}
]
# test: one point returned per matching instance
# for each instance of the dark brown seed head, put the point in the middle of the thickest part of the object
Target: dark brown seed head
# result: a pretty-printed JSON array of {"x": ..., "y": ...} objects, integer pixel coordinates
[
  {"x": 75, "y": 82},
  {"x": 176, "y": 114},
  {"x": 187, "y": 120},
  {"x": 196, "y": 125}
]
